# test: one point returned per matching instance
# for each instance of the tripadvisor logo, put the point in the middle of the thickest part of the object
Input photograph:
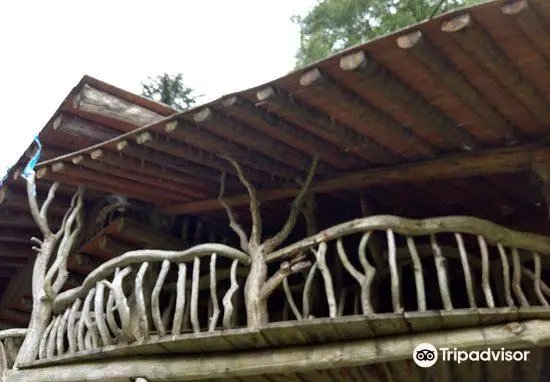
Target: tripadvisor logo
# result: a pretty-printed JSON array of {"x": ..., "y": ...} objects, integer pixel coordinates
[{"x": 426, "y": 355}]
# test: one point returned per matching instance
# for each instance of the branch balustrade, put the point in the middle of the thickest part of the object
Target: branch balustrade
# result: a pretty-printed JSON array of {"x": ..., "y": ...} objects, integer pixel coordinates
[{"x": 367, "y": 266}]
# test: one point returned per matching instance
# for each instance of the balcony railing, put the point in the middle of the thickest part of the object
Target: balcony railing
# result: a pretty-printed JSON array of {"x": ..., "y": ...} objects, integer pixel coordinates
[{"x": 369, "y": 267}]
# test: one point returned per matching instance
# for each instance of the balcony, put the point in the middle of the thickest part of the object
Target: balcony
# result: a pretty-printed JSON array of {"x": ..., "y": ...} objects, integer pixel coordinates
[{"x": 365, "y": 292}]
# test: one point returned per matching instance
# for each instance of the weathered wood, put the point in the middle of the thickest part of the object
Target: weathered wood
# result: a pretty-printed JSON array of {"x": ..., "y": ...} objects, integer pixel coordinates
[
  {"x": 499, "y": 161},
  {"x": 291, "y": 359},
  {"x": 441, "y": 68},
  {"x": 432, "y": 123},
  {"x": 132, "y": 232},
  {"x": 288, "y": 133},
  {"x": 47, "y": 173},
  {"x": 178, "y": 192},
  {"x": 480, "y": 46},
  {"x": 195, "y": 296},
  {"x": 289, "y": 161},
  {"x": 193, "y": 187},
  {"x": 493, "y": 233},
  {"x": 180, "y": 299},
  {"x": 531, "y": 24},
  {"x": 155, "y": 294},
  {"x": 96, "y": 101},
  {"x": 485, "y": 282},
  {"x": 321, "y": 124},
  {"x": 83, "y": 128},
  {"x": 325, "y": 87}
]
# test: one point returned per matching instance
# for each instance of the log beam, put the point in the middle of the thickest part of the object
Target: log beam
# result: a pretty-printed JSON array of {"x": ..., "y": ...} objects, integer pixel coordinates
[
  {"x": 323, "y": 125},
  {"x": 479, "y": 45},
  {"x": 230, "y": 128},
  {"x": 500, "y": 161},
  {"x": 325, "y": 87},
  {"x": 83, "y": 128},
  {"x": 291, "y": 359},
  {"x": 444, "y": 71},
  {"x": 432, "y": 123},
  {"x": 186, "y": 147},
  {"x": 288, "y": 133},
  {"x": 47, "y": 173},
  {"x": 142, "y": 236},
  {"x": 96, "y": 101},
  {"x": 173, "y": 190},
  {"x": 122, "y": 161},
  {"x": 531, "y": 23}
]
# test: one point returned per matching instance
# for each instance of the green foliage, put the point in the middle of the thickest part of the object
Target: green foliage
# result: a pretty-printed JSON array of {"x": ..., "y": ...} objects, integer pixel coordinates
[
  {"x": 170, "y": 90},
  {"x": 333, "y": 25}
]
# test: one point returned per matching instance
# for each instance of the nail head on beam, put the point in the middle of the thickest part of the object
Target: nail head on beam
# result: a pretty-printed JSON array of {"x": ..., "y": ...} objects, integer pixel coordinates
[
  {"x": 41, "y": 173},
  {"x": 58, "y": 121},
  {"x": 515, "y": 7},
  {"x": 202, "y": 115},
  {"x": 409, "y": 40},
  {"x": 457, "y": 23},
  {"x": 311, "y": 77},
  {"x": 96, "y": 154}
]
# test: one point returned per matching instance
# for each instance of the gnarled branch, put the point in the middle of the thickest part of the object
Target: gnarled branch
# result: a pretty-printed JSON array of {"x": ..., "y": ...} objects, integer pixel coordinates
[{"x": 236, "y": 227}]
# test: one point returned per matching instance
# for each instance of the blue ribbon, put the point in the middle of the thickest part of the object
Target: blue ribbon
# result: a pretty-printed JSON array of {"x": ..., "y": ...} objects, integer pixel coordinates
[{"x": 29, "y": 168}]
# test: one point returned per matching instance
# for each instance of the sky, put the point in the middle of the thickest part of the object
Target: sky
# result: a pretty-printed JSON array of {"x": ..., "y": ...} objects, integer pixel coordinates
[{"x": 219, "y": 46}]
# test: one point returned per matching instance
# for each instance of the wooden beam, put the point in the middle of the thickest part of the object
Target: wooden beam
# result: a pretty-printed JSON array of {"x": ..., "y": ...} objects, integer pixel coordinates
[
  {"x": 150, "y": 169},
  {"x": 150, "y": 151},
  {"x": 142, "y": 236},
  {"x": 481, "y": 47},
  {"x": 96, "y": 101},
  {"x": 288, "y": 133},
  {"x": 107, "y": 247},
  {"x": 251, "y": 138},
  {"x": 47, "y": 173},
  {"x": 208, "y": 160},
  {"x": 193, "y": 136},
  {"x": 16, "y": 250},
  {"x": 375, "y": 124},
  {"x": 83, "y": 128},
  {"x": 446, "y": 73},
  {"x": 292, "y": 359},
  {"x": 325, "y": 126},
  {"x": 169, "y": 189},
  {"x": 74, "y": 171},
  {"x": 508, "y": 160},
  {"x": 433, "y": 124},
  {"x": 531, "y": 23},
  {"x": 83, "y": 263},
  {"x": 18, "y": 201}
]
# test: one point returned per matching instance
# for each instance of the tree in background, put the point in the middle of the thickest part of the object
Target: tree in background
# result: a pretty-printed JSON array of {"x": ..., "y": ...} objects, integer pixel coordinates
[
  {"x": 333, "y": 25},
  {"x": 170, "y": 90}
]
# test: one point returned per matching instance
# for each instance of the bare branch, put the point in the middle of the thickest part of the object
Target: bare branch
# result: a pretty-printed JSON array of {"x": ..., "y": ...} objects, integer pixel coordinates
[
  {"x": 33, "y": 205},
  {"x": 256, "y": 234},
  {"x": 236, "y": 227},
  {"x": 286, "y": 269},
  {"x": 273, "y": 242},
  {"x": 48, "y": 201}
]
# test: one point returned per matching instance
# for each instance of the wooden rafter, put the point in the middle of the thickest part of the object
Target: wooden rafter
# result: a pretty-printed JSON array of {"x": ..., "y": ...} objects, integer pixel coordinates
[
  {"x": 323, "y": 125},
  {"x": 372, "y": 75},
  {"x": 441, "y": 68},
  {"x": 288, "y": 133},
  {"x": 232, "y": 129},
  {"x": 497, "y": 161},
  {"x": 480, "y": 46},
  {"x": 322, "y": 86}
]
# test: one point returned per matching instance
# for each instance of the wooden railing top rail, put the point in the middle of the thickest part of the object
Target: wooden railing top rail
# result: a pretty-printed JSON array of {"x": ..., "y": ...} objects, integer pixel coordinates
[
  {"x": 493, "y": 233},
  {"x": 146, "y": 255},
  {"x": 12, "y": 333}
]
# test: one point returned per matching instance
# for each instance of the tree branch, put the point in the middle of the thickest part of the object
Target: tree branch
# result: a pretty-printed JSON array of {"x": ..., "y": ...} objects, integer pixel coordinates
[
  {"x": 33, "y": 205},
  {"x": 48, "y": 201},
  {"x": 273, "y": 242},
  {"x": 287, "y": 268},
  {"x": 256, "y": 234},
  {"x": 236, "y": 227}
]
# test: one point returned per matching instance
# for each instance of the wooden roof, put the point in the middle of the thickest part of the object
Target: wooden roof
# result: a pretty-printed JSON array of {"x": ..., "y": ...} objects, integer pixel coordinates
[{"x": 444, "y": 117}]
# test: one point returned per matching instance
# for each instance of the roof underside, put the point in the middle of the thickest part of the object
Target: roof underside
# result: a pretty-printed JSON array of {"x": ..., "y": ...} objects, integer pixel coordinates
[{"x": 465, "y": 83}]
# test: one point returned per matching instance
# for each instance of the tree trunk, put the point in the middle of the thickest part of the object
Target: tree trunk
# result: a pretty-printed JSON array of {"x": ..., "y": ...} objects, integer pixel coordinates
[
  {"x": 41, "y": 308},
  {"x": 256, "y": 307}
]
